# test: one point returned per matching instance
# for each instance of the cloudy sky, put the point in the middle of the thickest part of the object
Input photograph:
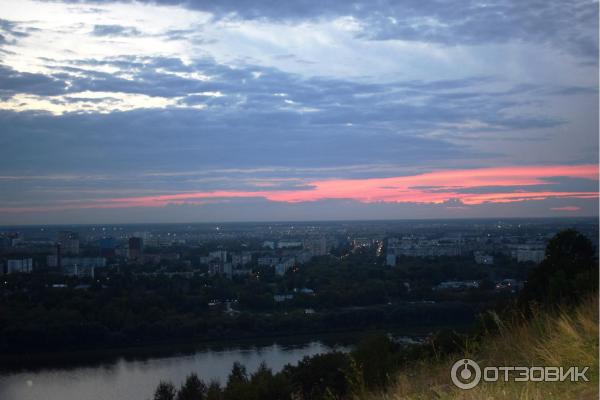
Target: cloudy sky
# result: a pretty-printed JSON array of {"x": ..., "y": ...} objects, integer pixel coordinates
[{"x": 239, "y": 110}]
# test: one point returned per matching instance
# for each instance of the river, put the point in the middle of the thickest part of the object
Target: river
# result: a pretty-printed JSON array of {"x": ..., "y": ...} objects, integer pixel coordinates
[{"x": 136, "y": 379}]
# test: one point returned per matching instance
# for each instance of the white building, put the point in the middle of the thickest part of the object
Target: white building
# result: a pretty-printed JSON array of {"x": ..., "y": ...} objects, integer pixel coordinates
[
  {"x": 457, "y": 285},
  {"x": 284, "y": 266},
  {"x": 85, "y": 262},
  {"x": 288, "y": 244},
  {"x": 69, "y": 243},
  {"x": 362, "y": 242},
  {"x": 529, "y": 253},
  {"x": 278, "y": 298},
  {"x": 241, "y": 259},
  {"x": 52, "y": 261},
  {"x": 221, "y": 255},
  {"x": 228, "y": 270},
  {"x": 82, "y": 266},
  {"x": 268, "y": 261},
  {"x": 317, "y": 246},
  {"x": 390, "y": 260},
  {"x": 79, "y": 271},
  {"x": 20, "y": 266}
]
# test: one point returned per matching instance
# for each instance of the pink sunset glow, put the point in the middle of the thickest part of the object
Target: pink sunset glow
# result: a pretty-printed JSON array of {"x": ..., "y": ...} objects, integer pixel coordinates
[
  {"x": 566, "y": 208},
  {"x": 432, "y": 188}
]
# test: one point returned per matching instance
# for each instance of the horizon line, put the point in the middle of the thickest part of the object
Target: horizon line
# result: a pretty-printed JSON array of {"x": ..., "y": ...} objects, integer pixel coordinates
[{"x": 282, "y": 221}]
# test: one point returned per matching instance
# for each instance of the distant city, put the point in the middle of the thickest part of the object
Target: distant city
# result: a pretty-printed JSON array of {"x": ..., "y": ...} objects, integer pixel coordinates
[{"x": 230, "y": 250}]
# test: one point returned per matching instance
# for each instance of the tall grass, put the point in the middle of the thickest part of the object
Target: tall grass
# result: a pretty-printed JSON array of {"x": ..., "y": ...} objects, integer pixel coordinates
[{"x": 566, "y": 337}]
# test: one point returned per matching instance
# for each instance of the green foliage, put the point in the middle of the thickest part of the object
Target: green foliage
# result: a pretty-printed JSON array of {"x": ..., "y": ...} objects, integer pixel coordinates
[
  {"x": 264, "y": 385},
  {"x": 378, "y": 357},
  {"x": 236, "y": 383},
  {"x": 320, "y": 376},
  {"x": 165, "y": 391},
  {"x": 192, "y": 389},
  {"x": 214, "y": 391},
  {"x": 568, "y": 272}
]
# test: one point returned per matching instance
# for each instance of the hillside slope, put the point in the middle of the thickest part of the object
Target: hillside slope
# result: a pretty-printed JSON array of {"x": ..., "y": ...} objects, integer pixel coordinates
[{"x": 565, "y": 338}]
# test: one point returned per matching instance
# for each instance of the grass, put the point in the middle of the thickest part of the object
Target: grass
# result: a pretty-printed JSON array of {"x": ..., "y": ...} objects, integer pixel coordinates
[{"x": 567, "y": 337}]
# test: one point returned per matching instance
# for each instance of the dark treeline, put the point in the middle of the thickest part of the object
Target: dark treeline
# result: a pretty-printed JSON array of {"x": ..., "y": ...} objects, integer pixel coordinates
[
  {"x": 568, "y": 274},
  {"x": 92, "y": 324},
  {"x": 129, "y": 309}
]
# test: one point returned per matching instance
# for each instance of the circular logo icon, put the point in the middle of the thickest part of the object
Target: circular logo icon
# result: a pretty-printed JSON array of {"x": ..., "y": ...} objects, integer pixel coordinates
[{"x": 465, "y": 373}]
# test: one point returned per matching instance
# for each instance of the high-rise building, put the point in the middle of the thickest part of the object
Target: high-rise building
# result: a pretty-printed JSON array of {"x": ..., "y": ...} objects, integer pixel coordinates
[
  {"x": 22, "y": 266},
  {"x": 317, "y": 246},
  {"x": 241, "y": 258},
  {"x": 390, "y": 260},
  {"x": 529, "y": 253},
  {"x": 284, "y": 266},
  {"x": 69, "y": 243},
  {"x": 221, "y": 255},
  {"x": 107, "y": 247},
  {"x": 135, "y": 248}
]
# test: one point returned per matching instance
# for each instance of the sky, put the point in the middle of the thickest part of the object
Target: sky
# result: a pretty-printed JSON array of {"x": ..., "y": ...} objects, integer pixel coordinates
[{"x": 264, "y": 110}]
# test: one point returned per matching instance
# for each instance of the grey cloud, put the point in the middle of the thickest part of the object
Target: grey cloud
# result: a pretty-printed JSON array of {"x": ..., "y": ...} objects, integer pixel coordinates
[
  {"x": 189, "y": 139},
  {"x": 555, "y": 184},
  {"x": 12, "y": 82},
  {"x": 115, "y": 30},
  {"x": 321, "y": 127},
  {"x": 11, "y": 32},
  {"x": 325, "y": 121},
  {"x": 569, "y": 25},
  {"x": 238, "y": 210},
  {"x": 13, "y": 28}
]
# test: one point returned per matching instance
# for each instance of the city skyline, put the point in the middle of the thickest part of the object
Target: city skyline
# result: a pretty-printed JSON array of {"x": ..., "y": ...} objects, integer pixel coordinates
[{"x": 176, "y": 111}]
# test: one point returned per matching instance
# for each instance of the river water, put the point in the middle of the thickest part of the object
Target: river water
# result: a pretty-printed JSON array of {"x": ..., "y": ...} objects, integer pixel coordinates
[{"x": 136, "y": 379}]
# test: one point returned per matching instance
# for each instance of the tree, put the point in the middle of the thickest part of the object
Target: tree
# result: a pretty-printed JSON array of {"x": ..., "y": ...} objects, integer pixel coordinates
[
  {"x": 263, "y": 385},
  {"x": 568, "y": 272},
  {"x": 236, "y": 383},
  {"x": 214, "y": 391},
  {"x": 192, "y": 389},
  {"x": 165, "y": 391},
  {"x": 377, "y": 357},
  {"x": 320, "y": 376}
]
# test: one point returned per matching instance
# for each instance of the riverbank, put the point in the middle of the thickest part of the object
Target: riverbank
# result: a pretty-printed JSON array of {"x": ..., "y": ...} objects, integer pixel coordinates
[{"x": 10, "y": 363}]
